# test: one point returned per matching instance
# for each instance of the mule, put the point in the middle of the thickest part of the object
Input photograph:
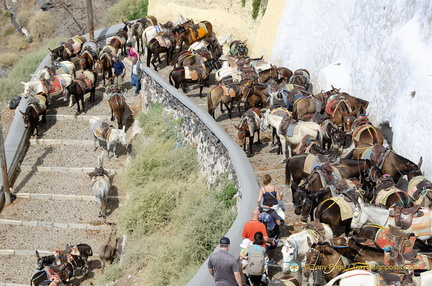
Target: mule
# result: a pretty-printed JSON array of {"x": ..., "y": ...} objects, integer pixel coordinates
[
  {"x": 388, "y": 194},
  {"x": 238, "y": 48},
  {"x": 304, "y": 108},
  {"x": 108, "y": 251},
  {"x": 293, "y": 135},
  {"x": 386, "y": 159},
  {"x": 201, "y": 30},
  {"x": 331, "y": 173},
  {"x": 104, "y": 66},
  {"x": 160, "y": 44},
  {"x": 222, "y": 94},
  {"x": 101, "y": 184},
  {"x": 339, "y": 111},
  {"x": 86, "y": 60},
  {"x": 57, "y": 68},
  {"x": 295, "y": 247},
  {"x": 280, "y": 74},
  {"x": 321, "y": 256},
  {"x": 151, "y": 32},
  {"x": 135, "y": 31},
  {"x": 421, "y": 225},
  {"x": 249, "y": 124},
  {"x": 211, "y": 44},
  {"x": 311, "y": 199},
  {"x": 363, "y": 132},
  {"x": 102, "y": 131},
  {"x": 118, "y": 43},
  {"x": 56, "y": 273},
  {"x": 86, "y": 83},
  {"x": 198, "y": 73},
  {"x": 419, "y": 188},
  {"x": 37, "y": 107},
  {"x": 68, "y": 49},
  {"x": 117, "y": 104},
  {"x": 187, "y": 57},
  {"x": 58, "y": 86},
  {"x": 301, "y": 80}
]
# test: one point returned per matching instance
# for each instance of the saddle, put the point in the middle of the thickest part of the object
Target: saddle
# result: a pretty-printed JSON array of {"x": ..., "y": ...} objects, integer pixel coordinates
[
  {"x": 378, "y": 155},
  {"x": 286, "y": 122},
  {"x": 103, "y": 130},
  {"x": 403, "y": 216},
  {"x": 352, "y": 196},
  {"x": 423, "y": 186},
  {"x": 395, "y": 277},
  {"x": 400, "y": 241},
  {"x": 318, "y": 228},
  {"x": 327, "y": 172}
]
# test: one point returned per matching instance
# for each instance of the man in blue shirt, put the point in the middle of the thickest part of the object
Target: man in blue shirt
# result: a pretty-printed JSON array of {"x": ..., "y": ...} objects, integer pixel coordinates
[{"x": 118, "y": 72}]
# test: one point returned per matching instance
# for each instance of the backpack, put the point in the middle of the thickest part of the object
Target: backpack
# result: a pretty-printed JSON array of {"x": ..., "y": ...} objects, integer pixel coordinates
[
  {"x": 270, "y": 223},
  {"x": 256, "y": 262}
]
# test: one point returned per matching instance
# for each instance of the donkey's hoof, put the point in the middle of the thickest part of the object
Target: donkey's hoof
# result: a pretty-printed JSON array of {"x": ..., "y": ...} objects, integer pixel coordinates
[{"x": 283, "y": 161}]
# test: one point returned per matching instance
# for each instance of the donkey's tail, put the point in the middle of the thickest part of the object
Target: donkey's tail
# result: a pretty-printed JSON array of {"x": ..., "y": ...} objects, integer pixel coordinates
[
  {"x": 170, "y": 78},
  {"x": 287, "y": 173}
]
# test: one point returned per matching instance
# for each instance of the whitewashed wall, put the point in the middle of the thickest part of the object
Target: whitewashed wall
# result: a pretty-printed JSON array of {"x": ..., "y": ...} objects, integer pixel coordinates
[{"x": 377, "y": 50}]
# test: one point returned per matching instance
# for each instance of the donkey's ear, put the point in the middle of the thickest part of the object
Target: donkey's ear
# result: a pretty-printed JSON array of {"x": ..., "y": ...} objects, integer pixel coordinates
[
  {"x": 420, "y": 162},
  {"x": 309, "y": 242},
  {"x": 37, "y": 254},
  {"x": 236, "y": 127}
]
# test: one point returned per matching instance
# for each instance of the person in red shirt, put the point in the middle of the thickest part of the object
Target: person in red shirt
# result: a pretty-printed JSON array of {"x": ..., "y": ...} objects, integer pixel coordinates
[{"x": 253, "y": 226}]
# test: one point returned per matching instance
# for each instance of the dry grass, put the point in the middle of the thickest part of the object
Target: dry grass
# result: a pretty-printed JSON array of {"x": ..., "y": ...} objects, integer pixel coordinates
[
  {"x": 8, "y": 59},
  {"x": 41, "y": 25}
]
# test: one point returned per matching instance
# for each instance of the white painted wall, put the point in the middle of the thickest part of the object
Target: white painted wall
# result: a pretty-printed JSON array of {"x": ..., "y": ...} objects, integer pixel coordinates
[{"x": 380, "y": 51}]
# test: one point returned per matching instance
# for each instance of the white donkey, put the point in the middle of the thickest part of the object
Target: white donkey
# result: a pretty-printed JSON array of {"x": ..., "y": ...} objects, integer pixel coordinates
[
  {"x": 295, "y": 247},
  {"x": 103, "y": 131},
  {"x": 294, "y": 134},
  {"x": 100, "y": 182}
]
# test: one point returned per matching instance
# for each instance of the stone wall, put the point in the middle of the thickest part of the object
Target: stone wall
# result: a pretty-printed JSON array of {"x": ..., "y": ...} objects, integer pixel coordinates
[{"x": 213, "y": 157}]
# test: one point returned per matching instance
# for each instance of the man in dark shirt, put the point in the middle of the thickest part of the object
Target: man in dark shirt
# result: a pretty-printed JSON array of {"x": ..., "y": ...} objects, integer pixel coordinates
[
  {"x": 118, "y": 72},
  {"x": 223, "y": 266}
]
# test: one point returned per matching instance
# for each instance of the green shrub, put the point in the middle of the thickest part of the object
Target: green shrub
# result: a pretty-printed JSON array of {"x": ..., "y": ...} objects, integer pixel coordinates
[
  {"x": 243, "y": 3},
  {"x": 173, "y": 221},
  {"x": 17, "y": 43},
  {"x": 139, "y": 11},
  {"x": 255, "y": 8},
  {"x": 126, "y": 10},
  {"x": 9, "y": 31},
  {"x": 111, "y": 273}
]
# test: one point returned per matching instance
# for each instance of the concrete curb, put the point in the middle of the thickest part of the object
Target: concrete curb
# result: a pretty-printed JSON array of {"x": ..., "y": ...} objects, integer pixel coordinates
[
  {"x": 61, "y": 197},
  {"x": 64, "y": 169}
]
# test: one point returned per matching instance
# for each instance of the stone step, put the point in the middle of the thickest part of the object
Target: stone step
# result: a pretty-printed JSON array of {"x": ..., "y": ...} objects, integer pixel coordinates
[
  {"x": 62, "y": 212},
  {"x": 73, "y": 156},
  {"x": 52, "y": 238},
  {"x": 60, "y": 197}
]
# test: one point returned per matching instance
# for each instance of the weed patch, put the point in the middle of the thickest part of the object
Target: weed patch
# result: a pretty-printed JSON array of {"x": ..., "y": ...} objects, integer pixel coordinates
[{"x": 172, "y": 219}]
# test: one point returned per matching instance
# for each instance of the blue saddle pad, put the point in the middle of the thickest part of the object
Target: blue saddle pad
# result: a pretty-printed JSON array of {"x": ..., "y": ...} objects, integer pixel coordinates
[{"x": 290, "y": 130}]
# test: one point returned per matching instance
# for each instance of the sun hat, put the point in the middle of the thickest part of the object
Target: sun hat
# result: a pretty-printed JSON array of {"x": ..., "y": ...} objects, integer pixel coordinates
[{"x": 245, "y": 243}]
